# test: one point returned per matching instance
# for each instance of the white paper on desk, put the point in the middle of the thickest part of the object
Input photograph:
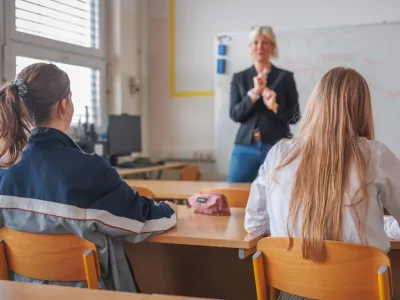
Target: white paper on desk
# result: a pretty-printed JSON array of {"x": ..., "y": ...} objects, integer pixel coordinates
[{"x": 98, "y": 149}]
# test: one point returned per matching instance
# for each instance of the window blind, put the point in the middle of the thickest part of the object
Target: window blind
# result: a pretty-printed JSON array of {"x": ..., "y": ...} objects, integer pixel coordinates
[{"x": 71, "y": 21}]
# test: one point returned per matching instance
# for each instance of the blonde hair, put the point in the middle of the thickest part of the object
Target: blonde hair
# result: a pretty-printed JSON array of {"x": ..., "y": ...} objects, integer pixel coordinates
[
  {"x": 338, "y": 112},
  {"x": 268, "y": 32}
]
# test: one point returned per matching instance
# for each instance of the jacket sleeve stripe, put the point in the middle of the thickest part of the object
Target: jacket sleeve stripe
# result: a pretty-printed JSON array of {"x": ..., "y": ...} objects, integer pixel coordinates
[{"x": 81, "y": 214}]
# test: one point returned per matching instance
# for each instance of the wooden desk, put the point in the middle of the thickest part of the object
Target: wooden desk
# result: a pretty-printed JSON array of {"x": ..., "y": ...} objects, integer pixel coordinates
[
  {"x": 168, "y": 189},
  {"x": 166, "y": 297},
  {"x": 21, "y": 291},
  {"x": 210, "y": 231},
  {"x": 394, "y": 245},
  {"x": 200, "y": 251},
  {"x": 167, "y": 166},
  {"x": 197, "y": 258}
]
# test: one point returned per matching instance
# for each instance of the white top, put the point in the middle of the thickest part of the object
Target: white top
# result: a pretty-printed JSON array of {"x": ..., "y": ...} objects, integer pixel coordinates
[{"x": 268, "y": 206}]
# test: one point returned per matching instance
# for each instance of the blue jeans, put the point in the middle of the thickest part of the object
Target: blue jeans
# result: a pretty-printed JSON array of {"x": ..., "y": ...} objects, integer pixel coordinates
[{"x": 246, "y": 161}]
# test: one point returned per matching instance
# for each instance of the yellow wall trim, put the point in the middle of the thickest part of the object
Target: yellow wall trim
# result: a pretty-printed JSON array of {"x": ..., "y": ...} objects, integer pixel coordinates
[{"x": 173, "y": 92}]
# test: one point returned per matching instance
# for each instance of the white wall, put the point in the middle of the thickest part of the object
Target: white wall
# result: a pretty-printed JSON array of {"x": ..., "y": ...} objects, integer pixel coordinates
[
  {"x": 175, "y": 123},
  {"x": 127, "y": 55},
  {"x": 183, "y": 126}
]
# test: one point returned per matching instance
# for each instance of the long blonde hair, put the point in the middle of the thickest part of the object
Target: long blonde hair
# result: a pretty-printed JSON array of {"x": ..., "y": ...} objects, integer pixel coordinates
[{"x": 338, "y": 112}]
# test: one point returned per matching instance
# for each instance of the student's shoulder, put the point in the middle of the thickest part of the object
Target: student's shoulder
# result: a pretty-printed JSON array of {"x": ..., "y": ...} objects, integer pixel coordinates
[
  {"x": 380, "y": 153},
  {"x": 92, "y": 166},
  {"x": 82, "y": 160},
  {"x": 282, "y": 146},
  {"x": 382, "y": 158},
  {"x": 377, "y": 148},
  {"x": 276, "y": 153}
]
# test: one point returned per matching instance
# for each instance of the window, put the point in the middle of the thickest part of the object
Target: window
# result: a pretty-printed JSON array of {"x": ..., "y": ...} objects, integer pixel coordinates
[
  {"x": 68, "y": 33},
  {"x": 84, "y": 88},
  {"x": 71, "y": 21}
]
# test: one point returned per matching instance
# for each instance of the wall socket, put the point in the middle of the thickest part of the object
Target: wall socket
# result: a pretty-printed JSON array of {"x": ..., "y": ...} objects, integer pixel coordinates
[{"x": 203, "y": 156}]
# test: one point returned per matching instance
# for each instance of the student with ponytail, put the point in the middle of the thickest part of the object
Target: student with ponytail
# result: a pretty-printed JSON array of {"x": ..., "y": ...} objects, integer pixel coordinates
[
  {"x": 48, "y": 185},
  {"x": 15, "y": 123},
  {"x": 333, "y": 180}
]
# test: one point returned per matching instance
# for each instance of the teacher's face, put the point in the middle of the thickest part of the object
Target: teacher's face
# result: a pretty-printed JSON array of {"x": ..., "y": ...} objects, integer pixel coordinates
[{"x": 261, "y": 48}]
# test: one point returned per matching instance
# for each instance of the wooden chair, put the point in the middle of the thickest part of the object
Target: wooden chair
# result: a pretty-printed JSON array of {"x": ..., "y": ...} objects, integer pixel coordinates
[
  {"x": 350, "y": 271},
  {"x": 53, "y": 257},
  {"x": 236, "y": 197},
  {"x": 190, "y": 173},
  {"x": 145, "y": 192}
]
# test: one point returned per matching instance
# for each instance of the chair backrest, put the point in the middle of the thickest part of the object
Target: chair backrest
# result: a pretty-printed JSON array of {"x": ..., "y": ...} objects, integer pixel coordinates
[
  {"x": 350, "y": 271},
  {"x": 190, "y": 173},
  {"x": 145, "y": 192},
  {"x": 53, "y": 257},
  {"x": 237, "y": 197}
]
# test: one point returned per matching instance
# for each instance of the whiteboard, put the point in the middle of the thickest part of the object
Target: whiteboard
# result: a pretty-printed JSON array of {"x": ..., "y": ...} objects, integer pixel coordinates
[{"x": 373, "y": 50}]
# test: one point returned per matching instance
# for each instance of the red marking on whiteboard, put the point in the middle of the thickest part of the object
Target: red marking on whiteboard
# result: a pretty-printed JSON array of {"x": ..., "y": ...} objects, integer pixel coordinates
[
  {"x": 334, "y": 57},
  {"x": 383, "y": 60},
  {"x": 393, "y": 95},
  {"x": 313, "y": 37},
  {"x": 301, "y": 65}
]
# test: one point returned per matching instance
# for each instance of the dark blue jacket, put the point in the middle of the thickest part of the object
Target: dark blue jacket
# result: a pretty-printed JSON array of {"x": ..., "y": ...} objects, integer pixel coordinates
[{"x": 56, "y": 188}]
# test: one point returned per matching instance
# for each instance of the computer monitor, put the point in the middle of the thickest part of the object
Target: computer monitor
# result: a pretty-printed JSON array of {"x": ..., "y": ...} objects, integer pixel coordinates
[{"x": 124, "y": 135}]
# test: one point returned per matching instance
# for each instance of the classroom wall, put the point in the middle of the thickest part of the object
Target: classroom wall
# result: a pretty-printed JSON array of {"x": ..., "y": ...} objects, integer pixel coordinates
[
  {"x": 127, "y": 56},
  {"x": 184, "y": 127}
]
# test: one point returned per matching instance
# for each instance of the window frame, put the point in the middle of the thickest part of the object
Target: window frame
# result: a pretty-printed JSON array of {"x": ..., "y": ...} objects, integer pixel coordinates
[
  {"x": 53, "y": 44},
  {"x": 26, "y": 45},
  {"x": 3, "y": 78},
  {"x": 19, "y": 49}
]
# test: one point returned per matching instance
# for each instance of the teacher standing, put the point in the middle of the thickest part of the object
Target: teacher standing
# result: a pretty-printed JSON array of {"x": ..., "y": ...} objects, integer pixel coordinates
[{"x": 264, "y": 100}]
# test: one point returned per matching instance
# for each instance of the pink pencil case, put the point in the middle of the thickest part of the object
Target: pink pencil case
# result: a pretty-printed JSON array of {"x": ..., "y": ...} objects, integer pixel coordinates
[{"x": 210, "y": 204}]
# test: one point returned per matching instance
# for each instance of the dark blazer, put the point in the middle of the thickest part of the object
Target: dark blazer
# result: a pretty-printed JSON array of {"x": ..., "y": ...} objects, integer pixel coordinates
[{"x": 273, "y": 127}]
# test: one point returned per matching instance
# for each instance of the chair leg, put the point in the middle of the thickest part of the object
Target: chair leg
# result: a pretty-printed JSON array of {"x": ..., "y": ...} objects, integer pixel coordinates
[
  {"x": 385, "y": 292},
  {"x": 3, "y": 262},
  {"x": 90, "y": 269},
  {"x": 273, "y": 293},
  {"x": 259, "y": 276}
]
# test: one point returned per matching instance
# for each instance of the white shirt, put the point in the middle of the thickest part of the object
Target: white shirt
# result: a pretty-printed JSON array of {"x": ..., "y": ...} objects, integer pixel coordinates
[{"x": 268, "y": 205}]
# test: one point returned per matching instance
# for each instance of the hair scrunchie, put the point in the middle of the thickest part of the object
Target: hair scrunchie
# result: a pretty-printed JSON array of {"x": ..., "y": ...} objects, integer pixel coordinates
[{"x": 22, "y": 89}]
